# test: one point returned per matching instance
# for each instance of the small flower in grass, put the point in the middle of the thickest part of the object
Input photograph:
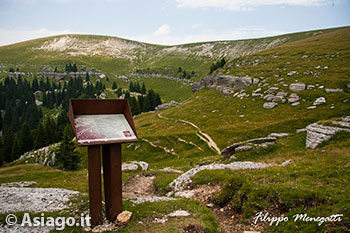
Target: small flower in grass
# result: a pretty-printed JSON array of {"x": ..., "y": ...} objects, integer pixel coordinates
[{"x": 276, "y": 192}]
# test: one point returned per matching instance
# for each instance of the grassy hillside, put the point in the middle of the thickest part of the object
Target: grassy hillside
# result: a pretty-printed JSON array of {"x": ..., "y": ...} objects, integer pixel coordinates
[{"x": 315, "y": 183}]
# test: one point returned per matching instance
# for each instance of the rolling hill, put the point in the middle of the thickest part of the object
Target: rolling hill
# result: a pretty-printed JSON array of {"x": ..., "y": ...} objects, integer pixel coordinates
[{"x": 192, "y": 134}]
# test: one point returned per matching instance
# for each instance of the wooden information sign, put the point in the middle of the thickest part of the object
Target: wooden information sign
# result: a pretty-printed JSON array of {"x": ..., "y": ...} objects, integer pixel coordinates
[{"x": 107, "y": 124}]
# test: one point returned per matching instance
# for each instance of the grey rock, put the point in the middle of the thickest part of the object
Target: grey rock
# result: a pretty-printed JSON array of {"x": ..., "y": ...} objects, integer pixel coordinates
[
  {"x": 257, "y": 95},
  {"x": 297, "y": 86},
  {"x": 167, "y": 105},
  {"x": 269, "y": 105},
  {"x": 310, "y": 87},
  {"x": 278, "y": 135},
  {"x": 184, "y": 181},
  {"x": 292, "y": 73},
  {"x": 271, "y": 90},
  {"x": 317, "y": 133},
  {"x": 301, "y": 130},
  {"x": 257, "y": 90},
  {"x": 311, "y": 107},
  {"x": 281, "y": 93},
  {"x": 338, "y": 90},
  {"x": 262, "y": 140},
  {"x": 277, "y": 99},
  {"x": 269, "y": 97},
  {"x": 179, "y": 213},
  {"x": 320, "y": 100},
  {"x": 295, "y": 104},
  {"x": 230, "y": 150},
  {"x": 224, "y": 83},
  {"x": 293, "y": 98},
  {"x": 243, "y": 148}
]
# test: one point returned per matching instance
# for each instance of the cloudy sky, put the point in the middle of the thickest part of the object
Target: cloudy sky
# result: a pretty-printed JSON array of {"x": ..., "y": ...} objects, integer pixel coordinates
[{"x": 168, "y": 21}]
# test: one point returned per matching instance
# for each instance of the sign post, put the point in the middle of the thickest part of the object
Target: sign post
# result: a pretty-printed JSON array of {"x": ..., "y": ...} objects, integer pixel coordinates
[{"x": 107, "y": 124}]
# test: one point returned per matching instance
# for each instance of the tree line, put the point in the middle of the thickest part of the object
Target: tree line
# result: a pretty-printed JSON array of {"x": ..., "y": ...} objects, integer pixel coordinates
[
  {"x": 23, "y": 126},
  {"x": 146, "y": 101}
]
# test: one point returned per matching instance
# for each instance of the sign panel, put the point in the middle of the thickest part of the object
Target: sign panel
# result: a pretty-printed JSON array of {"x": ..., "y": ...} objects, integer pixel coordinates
[{"x": 102, "y": 128}]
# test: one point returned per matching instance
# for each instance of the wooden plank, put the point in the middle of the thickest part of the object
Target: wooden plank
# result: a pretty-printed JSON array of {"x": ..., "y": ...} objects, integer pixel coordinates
[
  {"x": 95, "y": 195},
  {"x": 112, "y": 175}
]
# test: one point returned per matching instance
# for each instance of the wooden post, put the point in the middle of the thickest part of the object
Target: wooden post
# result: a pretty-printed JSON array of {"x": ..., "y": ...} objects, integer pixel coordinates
[
  {"x": 112, "y": 176},
  {"x": 95, "y": 195}
]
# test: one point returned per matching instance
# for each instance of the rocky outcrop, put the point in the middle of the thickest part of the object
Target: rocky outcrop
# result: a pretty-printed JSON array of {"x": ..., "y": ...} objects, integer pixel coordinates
[
  {"x": 184, "y": 181},
  {"x": 251, "y": 144},
  {"x": 167, "y": 105},
  {"x": 226, "y": 84},
  {"x": 317, "y": 133},
  {"x": 297, "y": 86}
]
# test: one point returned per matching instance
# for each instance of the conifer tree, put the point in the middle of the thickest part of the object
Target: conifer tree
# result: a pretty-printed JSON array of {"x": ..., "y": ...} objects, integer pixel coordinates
[
  {"x": 143, "y": 89},
  {"x": 66, "y": 156},
  {"x": 0, "y": 122},
  {"x": 134, "y": 106},
  {"x": 8, "y": 142},
  {"x": 16, "y": 149},
  {"x": 114, "y": 86},
  {"x": 40, "y": 137},
  {"x": 131, "y": 87},
  {"x": 25, "y": 139}
]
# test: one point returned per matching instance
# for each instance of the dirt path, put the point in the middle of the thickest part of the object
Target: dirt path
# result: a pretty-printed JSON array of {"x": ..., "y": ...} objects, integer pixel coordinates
[
  {"x": 139, "y": 185},
  {"x": 161, "y": 147},
  {"x": 203, "y": 136}
]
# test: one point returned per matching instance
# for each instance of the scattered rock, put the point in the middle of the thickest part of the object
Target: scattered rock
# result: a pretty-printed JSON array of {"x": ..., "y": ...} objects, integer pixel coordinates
[
  {"x": 271, "y": 90},
  {"x": 243, "y": 148},
  {"x": 123, "y": 218},
  {"x": 282, "y": 94},
  {"x": 293, "y": 98},
  {"x": 295, "y": 104},
  {"x": 292, "y": 73},
  {"x": 230, "y": 150},
  {"x": 297, "y": 87},
  {"x": 142, "y": 164},
  {"x": 278, "y": 135},
  {"x": 269, "y": 105},
  {"x": 338, "y": 90},
  {"x": 167, "y": 169},
  {"x": 129, "y": 167},
  {"x": 311, "y": 107},
  {"x": 320, "y": 100},
  {"x": 179, "y": 213},
  {"x": 310, "y": 87},
  {"x": 262, "y": 140}
]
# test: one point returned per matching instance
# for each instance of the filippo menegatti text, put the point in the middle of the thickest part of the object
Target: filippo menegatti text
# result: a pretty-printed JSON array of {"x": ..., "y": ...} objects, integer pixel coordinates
[{"x": 265, "y": 217}]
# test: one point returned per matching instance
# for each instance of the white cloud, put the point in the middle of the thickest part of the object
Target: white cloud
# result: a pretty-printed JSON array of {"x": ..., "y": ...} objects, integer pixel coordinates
[
  {"x": 162, "y": 30},
  {"x": 19, "y": 35},
  {"x": 239, "y": 33},
  {"x": 245, "y": 5}
]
